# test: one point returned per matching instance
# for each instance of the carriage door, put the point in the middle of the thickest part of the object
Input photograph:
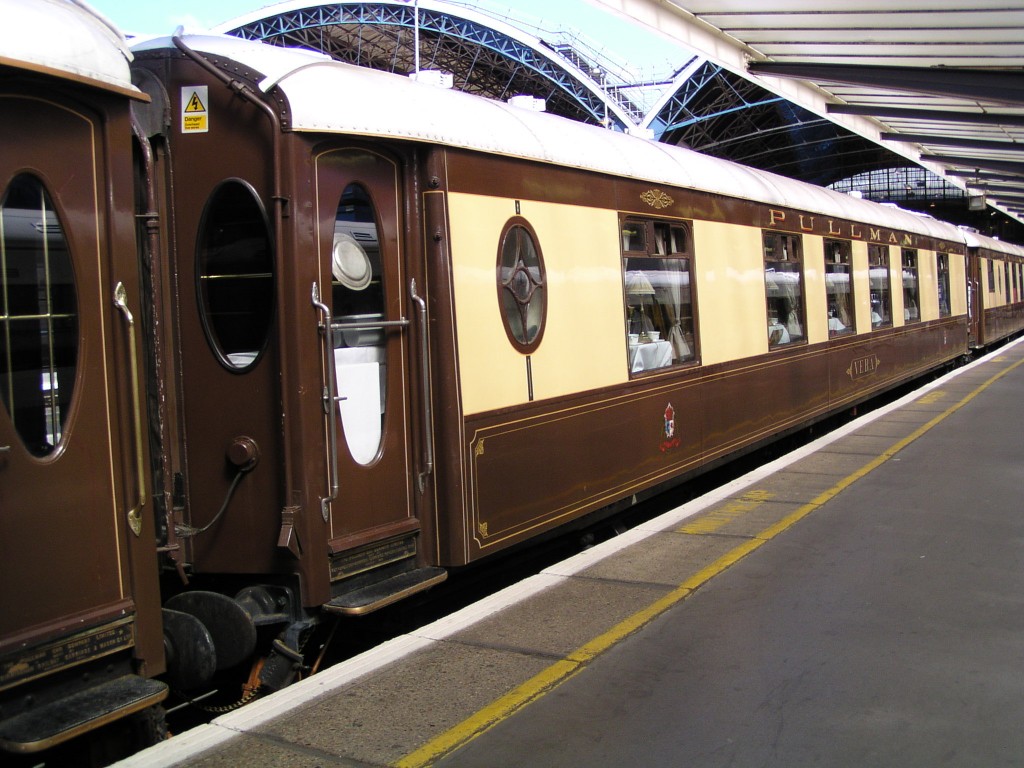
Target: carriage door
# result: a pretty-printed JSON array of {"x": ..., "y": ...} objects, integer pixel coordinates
[
  {"x": 65, "y": 490},
  {"x": 361, "y": 248}
]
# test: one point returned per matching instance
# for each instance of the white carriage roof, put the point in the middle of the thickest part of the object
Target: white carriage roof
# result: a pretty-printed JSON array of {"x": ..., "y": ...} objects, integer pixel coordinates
[
  {"x": 975, "y": 240},
  {"x": 328, "y": 96},
  {"x": 65, "y": 37}
]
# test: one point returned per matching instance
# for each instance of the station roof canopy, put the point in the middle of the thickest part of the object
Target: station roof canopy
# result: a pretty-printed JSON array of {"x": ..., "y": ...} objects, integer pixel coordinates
[
  {"x": 939, "y": 82},
  {"x": 867, "y": 94}
]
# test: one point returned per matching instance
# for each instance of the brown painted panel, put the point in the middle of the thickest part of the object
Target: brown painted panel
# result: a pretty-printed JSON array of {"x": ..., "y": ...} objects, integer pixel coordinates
[
  {"x": 220, "y": 404},
  {"x": 377, "y": 491},
  {"x": 1002, "y": 322},
  {"x": 531, "y": 471},
  {"x": 64, "y": 538},
  {"x": 750, "y": 400},
  {"x": 534, "y": 468}
]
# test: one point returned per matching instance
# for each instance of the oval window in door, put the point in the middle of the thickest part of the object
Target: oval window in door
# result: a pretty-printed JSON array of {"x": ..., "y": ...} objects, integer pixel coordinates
[
  {"x": 235, "y": 270},
  {"x": 38, "y": 316},
  {"x": 360, "y": 351}
]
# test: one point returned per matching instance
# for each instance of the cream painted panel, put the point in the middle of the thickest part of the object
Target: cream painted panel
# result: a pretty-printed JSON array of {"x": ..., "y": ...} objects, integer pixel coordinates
[
  {"x": 997, "y": 290},
  {"x": 990, "y": 287},
  {"x": 492, "y": 373},
  {"x": 733, "y": 314},
  {"x": 896, "y": 281},
  {"x": 861, "y": 288},
  {"x": 928, "y": 285},
  {"x": 958, "y": 284},
  {"x": 584, "y": 343},
  {"x": 815, "y": 299}
]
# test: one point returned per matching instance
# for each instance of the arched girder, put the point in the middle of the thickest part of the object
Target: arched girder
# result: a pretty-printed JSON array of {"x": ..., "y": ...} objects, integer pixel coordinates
[
  {"x": 715, "y": 111},
  {"x": 485, "y": 56}
]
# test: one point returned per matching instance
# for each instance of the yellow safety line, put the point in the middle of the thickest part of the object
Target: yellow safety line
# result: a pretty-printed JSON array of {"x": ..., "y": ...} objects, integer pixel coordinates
[{"x": 560, "y": 671}]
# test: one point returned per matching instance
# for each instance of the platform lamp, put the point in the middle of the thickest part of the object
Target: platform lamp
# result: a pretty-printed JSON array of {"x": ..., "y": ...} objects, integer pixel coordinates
[{"x": 638, "y": 284}]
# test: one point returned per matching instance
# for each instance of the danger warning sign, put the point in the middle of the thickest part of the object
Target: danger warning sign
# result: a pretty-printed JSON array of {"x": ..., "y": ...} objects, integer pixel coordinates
[{"x": 195, "y": 117}]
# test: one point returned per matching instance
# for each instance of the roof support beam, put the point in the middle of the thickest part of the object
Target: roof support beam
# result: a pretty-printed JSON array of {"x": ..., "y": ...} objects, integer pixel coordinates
[
  {"x": 931, "y": 115},
  {"x": 999, "y": 86},
  {"x": 982, "y": 176},
  {"x": 996, "y": 192},
  {"x": 976, "y": 162},
  {"x": 954, "y": 141},
  {"x": 1011, "y": 197}
]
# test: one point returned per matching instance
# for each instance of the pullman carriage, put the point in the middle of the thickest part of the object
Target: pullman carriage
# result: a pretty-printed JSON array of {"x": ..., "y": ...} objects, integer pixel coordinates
[
  {"x": 415, "y": 327},
  {"x": 996, "y": 289},
  {"x": 388, "y": 330},
  {"x": 80, "y": 626}
]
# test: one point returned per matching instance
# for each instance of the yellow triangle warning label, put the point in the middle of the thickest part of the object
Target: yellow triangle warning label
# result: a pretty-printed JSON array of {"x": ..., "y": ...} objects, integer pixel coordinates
[
  {"x": 195, "y": 118},
  {"x": 195, "y": 104}
]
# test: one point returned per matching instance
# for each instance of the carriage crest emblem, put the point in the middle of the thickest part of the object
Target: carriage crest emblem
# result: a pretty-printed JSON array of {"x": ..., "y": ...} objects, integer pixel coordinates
[{"x": 669, "y": 430}]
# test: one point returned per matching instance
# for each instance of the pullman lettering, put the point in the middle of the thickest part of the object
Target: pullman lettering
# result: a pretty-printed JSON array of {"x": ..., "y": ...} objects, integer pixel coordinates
[{"x": 778, "y": 219}]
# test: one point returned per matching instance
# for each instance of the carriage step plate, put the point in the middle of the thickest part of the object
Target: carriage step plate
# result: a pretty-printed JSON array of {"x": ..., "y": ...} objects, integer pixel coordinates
[
  {"x": 371, "y": 597},
  {"x": 50, "y": 724}
]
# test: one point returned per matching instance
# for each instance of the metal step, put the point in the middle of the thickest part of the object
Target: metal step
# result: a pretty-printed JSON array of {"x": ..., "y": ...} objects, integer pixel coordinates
[
  {"x": 50, "y": 724},
  {"x": 371, "y": 597}
]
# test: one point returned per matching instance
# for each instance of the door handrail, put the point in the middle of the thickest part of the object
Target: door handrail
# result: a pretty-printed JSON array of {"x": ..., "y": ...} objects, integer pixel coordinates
[
  {"x": 330, "y": 389},
  {"x": 428, "y": 417},
  {"x": 135, "y": 514},
  {"x": 368, "y": 324}
]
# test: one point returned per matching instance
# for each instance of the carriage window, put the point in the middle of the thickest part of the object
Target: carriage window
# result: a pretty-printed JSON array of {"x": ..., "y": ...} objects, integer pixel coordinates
[
  {"x": 839, "y": 286},
  {"x": 784, "y": 288},
  {"x": 522, "y": 293},
  {"x": 360, "y": 349},
  {"x": 881, "y": 282},
  {"x": 911, "y": 288},
  {"x": 658, "y": 264},
  {"x": 235, "y": 273},
  {"x": 942, "y": 263},
  {"x": 38, "y": 316},
  {"x": 1006, "y": 280}
]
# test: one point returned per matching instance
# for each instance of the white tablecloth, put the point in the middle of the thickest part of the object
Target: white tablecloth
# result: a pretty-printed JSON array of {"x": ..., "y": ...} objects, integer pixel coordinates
[
  {"x": 359, "y": 379},
  {"x": 646, "y": 357}
]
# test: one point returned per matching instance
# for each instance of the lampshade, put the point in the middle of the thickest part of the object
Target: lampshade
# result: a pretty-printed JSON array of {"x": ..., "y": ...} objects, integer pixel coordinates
[{"x": 637, "y": 284}]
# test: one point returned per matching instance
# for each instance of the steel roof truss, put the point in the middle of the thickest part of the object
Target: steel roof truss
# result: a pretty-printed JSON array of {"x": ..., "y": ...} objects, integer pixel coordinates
[{"x": 997, "y": 86}]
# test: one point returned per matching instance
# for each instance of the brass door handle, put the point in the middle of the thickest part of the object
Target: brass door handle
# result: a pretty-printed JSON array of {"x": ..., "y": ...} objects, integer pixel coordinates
[
  {"x": 330, "y": 396},
  {"x": 428, "y": 417},
  {"x": 135, "y": 514}
]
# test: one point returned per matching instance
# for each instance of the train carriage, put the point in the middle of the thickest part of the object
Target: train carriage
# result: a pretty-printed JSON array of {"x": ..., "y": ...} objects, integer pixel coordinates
[
  {"x": 80, "y": 626},
  {"x": 387, "y": 330},
  {"x": 417, "y": 327},
  {"x": 996, "y": 282}
]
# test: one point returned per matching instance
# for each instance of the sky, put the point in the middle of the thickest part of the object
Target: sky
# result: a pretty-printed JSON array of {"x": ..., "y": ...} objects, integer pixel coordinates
[{"x": 638, "y": 50}]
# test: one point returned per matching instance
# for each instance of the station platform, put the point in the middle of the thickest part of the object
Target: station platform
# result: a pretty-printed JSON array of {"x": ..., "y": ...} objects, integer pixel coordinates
[{"x": 857, "y": 602}]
